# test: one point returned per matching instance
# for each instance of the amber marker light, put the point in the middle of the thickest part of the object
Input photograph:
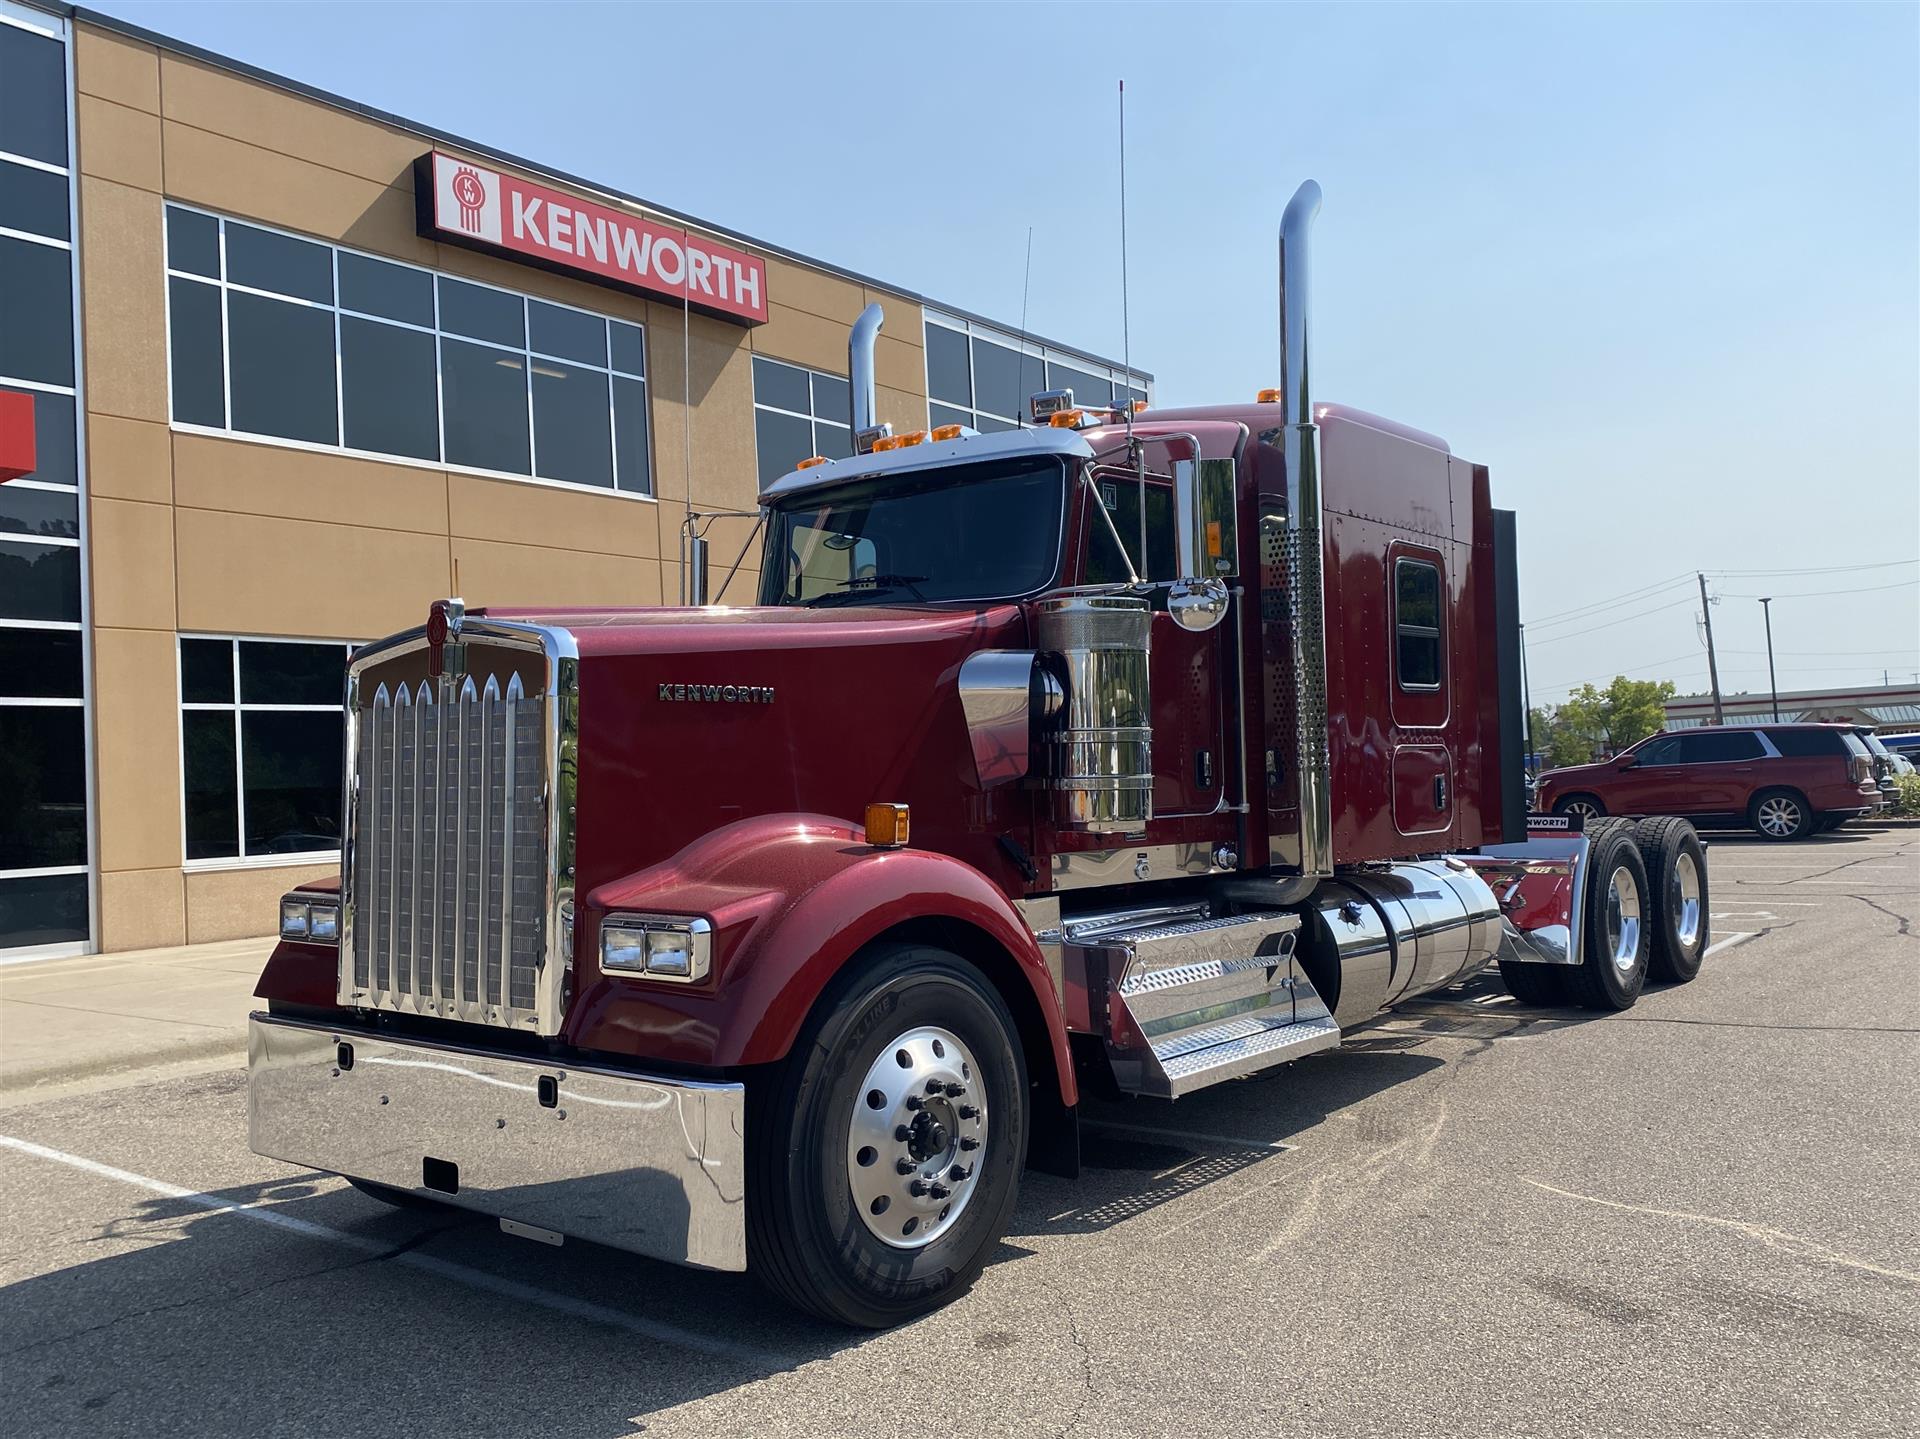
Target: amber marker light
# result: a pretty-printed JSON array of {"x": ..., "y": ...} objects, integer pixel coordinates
[
  {"x": 886, "y": 825},
  {"x": 1138, "y": 406},
  {"x": 1267, "y": 397},
  {"x": 888, "y": 442},
  {"x": 810, "y": 461},
  {"x": 914, "y": 437},
  {"x": 1067, "y": 419},
  {"x": 946, "y": 432}
]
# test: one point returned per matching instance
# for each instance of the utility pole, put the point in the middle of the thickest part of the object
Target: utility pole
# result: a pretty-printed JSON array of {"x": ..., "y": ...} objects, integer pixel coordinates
[
  {"x": 1713, "y": 665},
  {"x": 1766, "y": 608}
]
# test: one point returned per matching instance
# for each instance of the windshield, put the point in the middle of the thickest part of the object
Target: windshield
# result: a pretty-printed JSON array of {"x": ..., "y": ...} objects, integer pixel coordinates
[
  {"x": 1872, "y": 742},
  {"x": 964, "y": 532}
]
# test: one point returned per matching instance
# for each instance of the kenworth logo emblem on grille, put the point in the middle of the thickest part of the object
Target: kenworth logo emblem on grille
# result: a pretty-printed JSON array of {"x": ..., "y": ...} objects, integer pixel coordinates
[{"x": 719, "y": 694}]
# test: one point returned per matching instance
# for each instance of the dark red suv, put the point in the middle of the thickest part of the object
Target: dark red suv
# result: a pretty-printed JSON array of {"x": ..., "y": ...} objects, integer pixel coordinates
[{"x": 1785, "y": 780}]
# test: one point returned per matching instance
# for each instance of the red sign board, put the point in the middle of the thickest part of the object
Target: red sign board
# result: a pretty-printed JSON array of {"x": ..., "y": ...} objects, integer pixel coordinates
[
  {"x": 17, "y": 456},
  {"x": 472, "y": 205}
]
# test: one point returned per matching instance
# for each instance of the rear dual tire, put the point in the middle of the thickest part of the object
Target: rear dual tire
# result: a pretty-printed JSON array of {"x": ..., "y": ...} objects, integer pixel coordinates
[
  {"x": 1617, "y": 935},
  {"x": 1678, "y": 905}
]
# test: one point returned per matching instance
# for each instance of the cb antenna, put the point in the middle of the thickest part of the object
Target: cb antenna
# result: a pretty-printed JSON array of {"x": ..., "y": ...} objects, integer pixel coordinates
[
  {"x": 1126, "y": 345},
  {"x": 1026, "y": 289}
]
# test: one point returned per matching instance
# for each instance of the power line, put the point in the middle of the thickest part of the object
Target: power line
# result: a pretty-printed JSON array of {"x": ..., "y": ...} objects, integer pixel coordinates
[
  {"x": 1624, "y": 619},
  {"x": 1629, "y": 597},
  {"x": 1815, "y": 594},
  {"x": 1816, "y": 569}
]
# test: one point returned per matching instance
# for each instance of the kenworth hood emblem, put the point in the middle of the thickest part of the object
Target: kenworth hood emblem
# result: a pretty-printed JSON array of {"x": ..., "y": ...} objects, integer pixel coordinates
[{"x": 718, "y": 694}]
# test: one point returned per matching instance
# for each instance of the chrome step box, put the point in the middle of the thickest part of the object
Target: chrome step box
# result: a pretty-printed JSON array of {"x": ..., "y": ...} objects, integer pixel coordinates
[{"x": 1185, "y": 1004}]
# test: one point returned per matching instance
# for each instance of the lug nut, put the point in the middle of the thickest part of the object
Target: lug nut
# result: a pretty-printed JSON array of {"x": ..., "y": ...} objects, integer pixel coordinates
[
  {"x": 967, "y": 1111},
  {"x": 904, "y": 1166},
  {"x": 967, "y": 1141},
  {"x": 902, "y": 1133},
  {"x": 938, "y": 1191},
  {"x": 934, "y": 1086},
  {"x": 913, "y": 1101},
  {"x": 960, "y": 1172},
  {"x": 954, "y": 1091},
  {"x": 917, "y": 1188}
]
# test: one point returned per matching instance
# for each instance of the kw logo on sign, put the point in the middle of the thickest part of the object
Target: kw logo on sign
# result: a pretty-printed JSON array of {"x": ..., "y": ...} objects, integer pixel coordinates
[
  {"x": 467, "y": 198},
  {"x": 471, "y": 195}
]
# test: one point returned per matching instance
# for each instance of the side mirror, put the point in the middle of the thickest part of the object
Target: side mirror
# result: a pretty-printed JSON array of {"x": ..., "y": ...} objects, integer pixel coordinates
[
  {"x": 1197, "y": 605},
  {"x": 1204, "y": 519},
  {"x": 1625, "y": 761}
]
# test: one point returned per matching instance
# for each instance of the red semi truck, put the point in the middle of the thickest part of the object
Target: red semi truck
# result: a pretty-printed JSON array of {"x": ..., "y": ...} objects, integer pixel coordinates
[{"x": 1129, "y": 751}]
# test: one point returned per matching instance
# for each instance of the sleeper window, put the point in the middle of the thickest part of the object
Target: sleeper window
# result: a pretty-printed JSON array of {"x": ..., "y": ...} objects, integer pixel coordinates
[{"x": 1416, "y": 625}]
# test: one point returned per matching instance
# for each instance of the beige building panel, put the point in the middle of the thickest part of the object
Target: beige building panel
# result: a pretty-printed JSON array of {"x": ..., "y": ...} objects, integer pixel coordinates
[
  {"x": 802, "y": 339},
  {"x": 255, "y": 575},
  {"x": 243, "y": 903},
  {"x": 124, "y": 300},
  {"x": 723, "y": 456},
  {"x": 129, "y": 459},
  {"x": 513, "y": 512},
  {"x": 251, "y": 182},
  {"x": 800, "y": 287},
  {"x": 116, "y": 68},
  {"x": 131, "y": 562},
  {"x": 216, "y": 100},
  {"x": 901, "y": 410},
  {"x": 119, "y": 143},
  {"x": 258, "y": 479},
  {"x": 900, "y": 364},
  {"x": 142, "y": 909},
  {"x": 136, "y": 724},
  {"x": 507, "y": 574}
]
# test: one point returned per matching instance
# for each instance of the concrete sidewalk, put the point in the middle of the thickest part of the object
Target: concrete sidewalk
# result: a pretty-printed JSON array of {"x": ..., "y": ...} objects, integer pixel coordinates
[{"x": 66, "y": 1022}]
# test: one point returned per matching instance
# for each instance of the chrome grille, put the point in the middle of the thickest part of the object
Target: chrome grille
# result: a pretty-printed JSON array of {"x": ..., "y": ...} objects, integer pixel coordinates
[{"x": 457, "y": 890}]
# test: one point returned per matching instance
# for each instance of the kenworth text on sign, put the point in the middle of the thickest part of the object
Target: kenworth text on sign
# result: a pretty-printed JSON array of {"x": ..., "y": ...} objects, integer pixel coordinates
[
  {"x": 1138, "y": 751},
  {"x": 472, "y": 205}
]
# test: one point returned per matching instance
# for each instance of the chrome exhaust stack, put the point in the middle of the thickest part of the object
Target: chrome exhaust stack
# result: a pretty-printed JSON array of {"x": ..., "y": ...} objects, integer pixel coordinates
[
  {"x": 864, "y": 398},
  {"x": 1306, "y": 584}
]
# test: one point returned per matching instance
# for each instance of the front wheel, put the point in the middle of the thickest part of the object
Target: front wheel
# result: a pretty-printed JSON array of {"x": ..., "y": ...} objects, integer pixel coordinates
[{"x": 885, "y": 1153}]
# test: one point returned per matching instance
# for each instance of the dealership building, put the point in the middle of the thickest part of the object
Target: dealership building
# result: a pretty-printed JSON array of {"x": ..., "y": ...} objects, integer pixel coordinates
[{"x": 287, "y": 369}]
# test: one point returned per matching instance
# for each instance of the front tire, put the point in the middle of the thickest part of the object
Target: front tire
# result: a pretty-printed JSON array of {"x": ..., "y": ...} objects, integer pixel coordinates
[
  {"x": 884, "y": 1155},
  {"x": 1615, "y": 933},
  {"x": 1677, "y": 893},
  {"x": 1780, "y": 814}
]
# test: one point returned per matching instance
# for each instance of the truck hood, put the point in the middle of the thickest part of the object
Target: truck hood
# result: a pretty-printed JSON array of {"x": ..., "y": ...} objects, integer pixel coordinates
[{"x": 691, "y": 720}]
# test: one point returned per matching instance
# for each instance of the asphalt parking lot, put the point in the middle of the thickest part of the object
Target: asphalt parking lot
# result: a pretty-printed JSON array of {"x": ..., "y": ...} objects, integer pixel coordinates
[{"x": 1701, "y": 1216}]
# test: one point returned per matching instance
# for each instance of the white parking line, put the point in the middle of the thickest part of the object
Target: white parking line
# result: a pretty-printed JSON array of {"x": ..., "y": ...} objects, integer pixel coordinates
[
  {"x": 1729, "y": 941},
  {"x": 413, "y": 1259}
]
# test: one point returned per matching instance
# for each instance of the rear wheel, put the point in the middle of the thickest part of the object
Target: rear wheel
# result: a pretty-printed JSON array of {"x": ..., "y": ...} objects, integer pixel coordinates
[
  {"x": 1677, "y": 897},
  {"x": 1541, "y": 984},
  {"x": 1581, "y": 806},
  {"x": 1780, "y": 814},
  {"x": 1613, "y": 969},
  {"x": 885, "y": 1153}
]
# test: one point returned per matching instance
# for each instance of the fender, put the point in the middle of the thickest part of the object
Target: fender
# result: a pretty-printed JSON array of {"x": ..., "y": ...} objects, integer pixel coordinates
[{"x": 792, "y": 898}]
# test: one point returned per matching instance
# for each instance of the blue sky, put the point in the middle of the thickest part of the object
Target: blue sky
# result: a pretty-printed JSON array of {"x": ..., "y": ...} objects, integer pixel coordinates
[{"x": 1657, "y": 266}]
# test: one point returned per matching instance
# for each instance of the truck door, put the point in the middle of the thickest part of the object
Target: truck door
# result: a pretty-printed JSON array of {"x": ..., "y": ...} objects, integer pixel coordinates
[
  {"x": 1422, "y": 777},
  {"x": 1184, "y": 667}
]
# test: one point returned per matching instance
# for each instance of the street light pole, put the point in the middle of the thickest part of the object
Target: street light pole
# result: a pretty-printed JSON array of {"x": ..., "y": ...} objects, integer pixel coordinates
[{"x": 1766, "y": 608}]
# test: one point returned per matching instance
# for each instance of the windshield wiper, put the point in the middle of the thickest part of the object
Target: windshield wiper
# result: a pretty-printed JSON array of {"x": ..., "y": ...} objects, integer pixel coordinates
[{"x": 861, "y": 585}]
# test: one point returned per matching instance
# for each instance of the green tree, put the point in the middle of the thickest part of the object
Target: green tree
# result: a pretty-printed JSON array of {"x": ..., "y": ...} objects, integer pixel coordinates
[{"x": 1592, "y": 723}]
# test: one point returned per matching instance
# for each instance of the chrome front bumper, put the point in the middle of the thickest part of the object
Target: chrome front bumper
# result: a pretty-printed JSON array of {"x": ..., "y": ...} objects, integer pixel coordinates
[{"x": 655, "y": 1166}]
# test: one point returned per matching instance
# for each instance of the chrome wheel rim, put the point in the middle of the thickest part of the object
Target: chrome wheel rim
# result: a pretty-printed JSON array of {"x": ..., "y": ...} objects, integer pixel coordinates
[
  {"x": 1779, "y": 816},
  {"x": 1623, "y": 919},
  {"x": 916, "y": 1139},
  {"x": 1683, "y": 899},
  {"x": 1584, "y": 809}
]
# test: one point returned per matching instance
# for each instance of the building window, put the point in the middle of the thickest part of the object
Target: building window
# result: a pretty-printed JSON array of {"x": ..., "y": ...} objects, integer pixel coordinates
[
  {"x": 282, "y": 337},
  {"x": 44, "y": 829},
  {"x": 983, "y": 378},
  {"x": 1416, "y": 624},
  {"x": 262, "y": 735},
  {"x": 797, "y": 413}
]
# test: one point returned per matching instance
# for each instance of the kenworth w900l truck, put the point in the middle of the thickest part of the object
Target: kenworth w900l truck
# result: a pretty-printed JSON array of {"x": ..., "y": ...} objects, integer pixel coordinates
[{"x": 1143, "y": 750}]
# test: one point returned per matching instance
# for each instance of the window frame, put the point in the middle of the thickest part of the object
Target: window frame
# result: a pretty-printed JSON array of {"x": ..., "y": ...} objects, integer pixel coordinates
[
  {"x": 1438, "y": 632},
  {"x": 239, "y": 708},
  {"x": 1048, "y": 355},
  {"x": 338, "y": 308},
  {"x": 814, "y": 420}
]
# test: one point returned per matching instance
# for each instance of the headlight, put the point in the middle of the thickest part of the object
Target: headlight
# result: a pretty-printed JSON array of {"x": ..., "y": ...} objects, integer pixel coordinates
[
  {"x": 310, "y": 919},
  {"x": 657, "y": 946}
]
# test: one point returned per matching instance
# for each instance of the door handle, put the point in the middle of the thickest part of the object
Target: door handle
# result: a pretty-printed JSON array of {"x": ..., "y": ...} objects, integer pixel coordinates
[{"x": 1439, "y": 791}]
